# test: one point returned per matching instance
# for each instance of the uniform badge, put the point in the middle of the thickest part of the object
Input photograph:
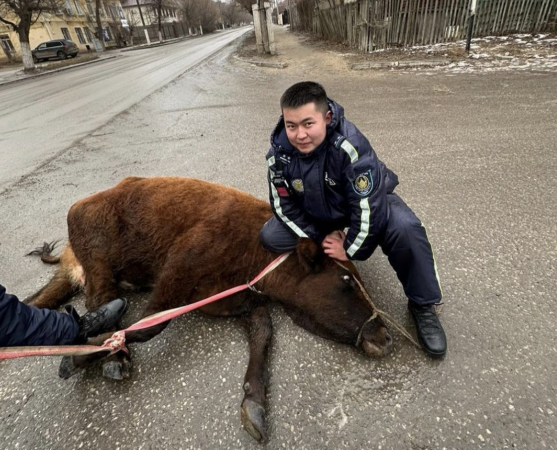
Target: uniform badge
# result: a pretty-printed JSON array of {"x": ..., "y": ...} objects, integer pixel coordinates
[
  {"x": 329, "y": 181},
  {"x": 363, "y": 184},
  {"x": 298, "y": 185}
]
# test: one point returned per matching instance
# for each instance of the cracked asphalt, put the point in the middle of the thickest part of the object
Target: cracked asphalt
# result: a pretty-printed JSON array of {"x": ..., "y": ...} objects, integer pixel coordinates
[{"x": 476, "y": 156}]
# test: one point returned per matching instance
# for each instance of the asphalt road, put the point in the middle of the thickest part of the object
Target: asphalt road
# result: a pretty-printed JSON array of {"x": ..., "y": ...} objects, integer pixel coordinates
[
  {"x": 476, "y": 155},
  {"x": 39, "y": 118}
]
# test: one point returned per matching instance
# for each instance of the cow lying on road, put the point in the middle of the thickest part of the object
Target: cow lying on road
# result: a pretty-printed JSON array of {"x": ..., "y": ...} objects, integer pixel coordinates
[{"x": 190, "y": 239}]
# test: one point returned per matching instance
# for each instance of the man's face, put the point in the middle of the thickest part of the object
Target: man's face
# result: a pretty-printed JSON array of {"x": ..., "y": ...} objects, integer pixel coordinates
[{"x": 306, "y": 127}]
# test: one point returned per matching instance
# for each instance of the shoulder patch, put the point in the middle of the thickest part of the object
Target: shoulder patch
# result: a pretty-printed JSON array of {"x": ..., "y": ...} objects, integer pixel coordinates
[{"x": 363, "y": 184}]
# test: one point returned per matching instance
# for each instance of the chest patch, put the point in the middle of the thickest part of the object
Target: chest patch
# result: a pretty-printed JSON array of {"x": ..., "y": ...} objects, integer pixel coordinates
[
  {"x": 363, "y": 184},
  {"x": 329, "y": 181},
  {"x": 298, "y": 185}
]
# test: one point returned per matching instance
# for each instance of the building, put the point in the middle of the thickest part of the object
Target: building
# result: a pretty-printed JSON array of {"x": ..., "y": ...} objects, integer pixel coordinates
[
  {"x": 143, "y": 15},
  {"x": 74, "y": 21}
]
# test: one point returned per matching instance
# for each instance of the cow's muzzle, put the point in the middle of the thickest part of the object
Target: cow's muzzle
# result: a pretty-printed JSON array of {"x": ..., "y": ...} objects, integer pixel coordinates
[{"x": 380, "y": 343}]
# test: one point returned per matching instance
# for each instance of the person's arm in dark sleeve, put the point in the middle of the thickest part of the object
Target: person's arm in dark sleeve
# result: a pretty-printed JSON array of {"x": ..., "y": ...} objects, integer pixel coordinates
[
  {"x": 366, "y": 194},
  {"x": 286, "y": 208}
]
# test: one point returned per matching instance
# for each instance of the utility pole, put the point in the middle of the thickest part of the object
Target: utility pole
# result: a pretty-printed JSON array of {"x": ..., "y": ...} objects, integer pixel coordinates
[
  {"x": 143, "y": 22},
  {"x": 263, "y": 27},
  {"x": 471, "y": 25}
]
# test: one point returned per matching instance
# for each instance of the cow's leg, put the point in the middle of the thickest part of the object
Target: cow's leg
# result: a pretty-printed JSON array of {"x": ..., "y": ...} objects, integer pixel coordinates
[
  {"x": 260, "y": 330},
  {"x": 175, "y": 285},
  {"x": 101, "y": 286}
]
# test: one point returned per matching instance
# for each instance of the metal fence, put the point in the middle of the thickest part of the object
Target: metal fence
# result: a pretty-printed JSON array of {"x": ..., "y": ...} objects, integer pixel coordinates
[{"x": 378, "y": 24}]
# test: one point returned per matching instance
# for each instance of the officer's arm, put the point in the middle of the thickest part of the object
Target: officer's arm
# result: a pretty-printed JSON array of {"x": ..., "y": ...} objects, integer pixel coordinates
[
  {"x": 286, "y": 208},
  {"x": 365, "y": 191}
]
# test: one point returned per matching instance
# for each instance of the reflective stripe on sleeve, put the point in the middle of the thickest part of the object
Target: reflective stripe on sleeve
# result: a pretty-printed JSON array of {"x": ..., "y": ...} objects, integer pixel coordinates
[
  {"x": 350, "y": 150},
  {"x": 278, "y": 209},
  {"x": 364, "y": 228}
]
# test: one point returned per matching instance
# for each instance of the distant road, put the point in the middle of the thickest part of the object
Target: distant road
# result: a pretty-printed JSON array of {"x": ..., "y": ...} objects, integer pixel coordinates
[{"x": 41, "y": 117}]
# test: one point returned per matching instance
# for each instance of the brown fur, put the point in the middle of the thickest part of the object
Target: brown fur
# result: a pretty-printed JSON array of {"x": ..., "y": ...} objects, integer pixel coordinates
[{"x": 192, "y": 239}]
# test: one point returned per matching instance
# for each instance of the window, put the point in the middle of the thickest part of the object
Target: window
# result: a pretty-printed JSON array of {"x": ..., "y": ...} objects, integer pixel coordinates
[
  {"x": 106, "y": 34},
  {"x": 54, "y": 44},
  {"x": 69, "y": 8},
  {"x": 90, "y": 9},
  {"x": 6, "y": 43},
  {"x": 88, "y": 34},
  {"x": 80, "y": 37},
  {"x": 78, "y": 8},
  {"x": 66, "y": 34},
  {"x": 121, "y": 11}
]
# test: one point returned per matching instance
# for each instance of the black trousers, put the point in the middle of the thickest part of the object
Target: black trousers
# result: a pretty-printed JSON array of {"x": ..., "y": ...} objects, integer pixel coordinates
[
  {"x": 23, "y": 325},
  {"x": 404, "y": 241}
]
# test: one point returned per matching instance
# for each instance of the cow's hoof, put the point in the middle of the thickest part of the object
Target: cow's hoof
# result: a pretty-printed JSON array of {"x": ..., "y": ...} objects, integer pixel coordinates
[
  {"x": 67, "y": 368},
  {"x": 253, "y": 419},
  {"x": 113, "y": 370},
  {"x": 126, "y": 366}
]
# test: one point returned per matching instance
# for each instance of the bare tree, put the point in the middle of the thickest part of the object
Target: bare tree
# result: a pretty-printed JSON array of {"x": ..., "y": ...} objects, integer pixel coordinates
[
  {"x": 188, "y": 12},
  {"x": 20, "y": 15},
  {"x": 229, "y": 12},
  {"x": 208, "y": 15},
  {"x": 247, "y": 5},
  {"x": 197, "y": 13},
  {"x": 100, "y": 31},
  {"x": 134, "y": 20}
]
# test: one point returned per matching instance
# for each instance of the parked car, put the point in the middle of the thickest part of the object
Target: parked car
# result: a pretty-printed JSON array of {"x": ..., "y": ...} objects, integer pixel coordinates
[{"x": 61, "y": 48}]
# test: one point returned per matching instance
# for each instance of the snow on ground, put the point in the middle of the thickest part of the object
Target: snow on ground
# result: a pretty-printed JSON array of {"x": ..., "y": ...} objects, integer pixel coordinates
[
  {"x": 496, "y": 53},
  {"x": 491, "y": 53}
]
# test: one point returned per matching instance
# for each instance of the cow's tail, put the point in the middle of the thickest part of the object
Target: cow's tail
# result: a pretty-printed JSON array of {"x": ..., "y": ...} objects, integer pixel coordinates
[
  {"x": 45, "y": 252},
  {"x": 67, "y": 281}
]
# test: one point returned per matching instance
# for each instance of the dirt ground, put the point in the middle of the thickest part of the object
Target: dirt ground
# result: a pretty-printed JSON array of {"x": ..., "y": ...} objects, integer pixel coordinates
[{"x": 519, "y": 51}]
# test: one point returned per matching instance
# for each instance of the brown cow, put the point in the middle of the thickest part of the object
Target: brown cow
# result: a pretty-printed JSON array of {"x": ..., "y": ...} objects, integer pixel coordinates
[{"x": 190, "y": 239}]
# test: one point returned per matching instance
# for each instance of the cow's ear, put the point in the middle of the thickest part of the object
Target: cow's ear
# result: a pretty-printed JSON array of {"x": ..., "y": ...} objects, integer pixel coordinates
[{"x": 310, "y": 254}]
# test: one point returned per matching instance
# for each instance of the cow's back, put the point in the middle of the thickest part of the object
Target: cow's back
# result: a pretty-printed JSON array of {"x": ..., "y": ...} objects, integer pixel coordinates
[{"x": 141, "y": 220}]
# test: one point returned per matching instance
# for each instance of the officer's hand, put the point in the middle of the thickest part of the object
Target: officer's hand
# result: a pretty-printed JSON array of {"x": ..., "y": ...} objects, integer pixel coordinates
[{"x": 333, "y": 245}]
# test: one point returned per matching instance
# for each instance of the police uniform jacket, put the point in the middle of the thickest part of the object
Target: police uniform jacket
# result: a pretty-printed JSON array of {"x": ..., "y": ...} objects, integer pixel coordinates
[{"x": 340, "y": 184}]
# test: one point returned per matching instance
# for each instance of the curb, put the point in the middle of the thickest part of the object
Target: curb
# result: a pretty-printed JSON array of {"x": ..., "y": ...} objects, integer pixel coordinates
[
  {"x": 61, "y": 69},
  {"x": 398, "y": 64},
  {"x": 279, "y": 65},
  {"x": 158, "y": 44}
]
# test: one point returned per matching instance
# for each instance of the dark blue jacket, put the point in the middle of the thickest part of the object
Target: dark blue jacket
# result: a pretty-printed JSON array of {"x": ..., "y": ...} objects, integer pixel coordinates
[
  {"x": 23, "y": 325},
  {"x": 340, "y": 184}
]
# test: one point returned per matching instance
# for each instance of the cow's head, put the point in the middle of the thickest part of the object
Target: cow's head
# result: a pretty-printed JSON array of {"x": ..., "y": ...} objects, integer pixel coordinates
[{"x": 325, "y": 298}]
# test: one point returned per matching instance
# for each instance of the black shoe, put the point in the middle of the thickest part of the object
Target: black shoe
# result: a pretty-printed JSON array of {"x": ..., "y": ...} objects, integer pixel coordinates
[
  {"x": 96, "y": 322},
  {"x": 430, "y": 332}
]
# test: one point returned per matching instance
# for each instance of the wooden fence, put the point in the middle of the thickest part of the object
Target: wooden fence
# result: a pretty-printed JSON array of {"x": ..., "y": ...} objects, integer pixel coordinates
[{"x": 377, "y": 24}]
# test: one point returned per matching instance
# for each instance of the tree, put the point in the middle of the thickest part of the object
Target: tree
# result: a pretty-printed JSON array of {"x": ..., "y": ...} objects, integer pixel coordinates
[
  {"x": 229, "y": 12},
  {"x": 208, "y": 14},
  {"x": 197, "y": 13},
  {"x": 20, "y": 15},
  {"x": 100, "y": 31},
  {"x": 247, "y": 5},
  {"x": 133, "y": 19}
]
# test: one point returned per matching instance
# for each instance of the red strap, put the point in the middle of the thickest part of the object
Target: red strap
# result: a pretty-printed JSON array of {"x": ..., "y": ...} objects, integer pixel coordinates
[{"x": 117, "y": 341}]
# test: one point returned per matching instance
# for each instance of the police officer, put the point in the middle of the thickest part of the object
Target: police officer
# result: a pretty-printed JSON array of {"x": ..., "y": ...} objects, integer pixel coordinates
[
  {"x": 23, "y": 325},
  {"x": 324, "y": 177}
]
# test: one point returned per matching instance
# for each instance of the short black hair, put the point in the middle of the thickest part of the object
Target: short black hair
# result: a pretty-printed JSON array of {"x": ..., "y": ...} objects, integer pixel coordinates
[{"x": 305, "y": 92}]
